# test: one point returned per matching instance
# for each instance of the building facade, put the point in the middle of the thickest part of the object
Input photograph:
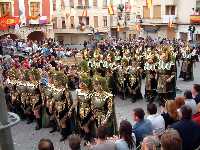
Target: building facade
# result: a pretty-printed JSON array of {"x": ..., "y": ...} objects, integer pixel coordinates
[
  {"x": 188, "y": 14},
  {"x": 124, "y": 20},
  {"x": 76, "y": 21},
  {"x": 170, "y": 19},
  {"x": 35, "y": 17}
]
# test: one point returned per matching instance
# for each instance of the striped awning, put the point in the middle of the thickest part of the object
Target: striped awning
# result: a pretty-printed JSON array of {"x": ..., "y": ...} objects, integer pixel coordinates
[{"x": 195, "y": 18}]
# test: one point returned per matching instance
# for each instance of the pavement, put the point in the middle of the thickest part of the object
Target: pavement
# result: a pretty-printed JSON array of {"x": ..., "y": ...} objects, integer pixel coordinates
[{"x": 26, "y": 138}]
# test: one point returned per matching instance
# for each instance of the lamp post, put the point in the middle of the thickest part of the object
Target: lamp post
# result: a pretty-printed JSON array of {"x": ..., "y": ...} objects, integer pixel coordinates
[{"x": 6, "y": 121}]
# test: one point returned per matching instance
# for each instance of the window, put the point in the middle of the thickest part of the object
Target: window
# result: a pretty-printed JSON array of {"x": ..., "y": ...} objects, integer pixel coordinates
[
  {"x": 170, "y": 10},
  {"x": 63, "y": 23},
  {"x": 157, "y": 11},
  {"x": 72, "y": 3},
  {"x": 105, "y": 21},
  {"x": 62, "y": 4},
  {"x": 95, "y": 3},
  {"x": 80, "y": 19},
  {"x": 197, "y": 5},
  {"x": 104, "y": 3},
  {"x": 87, "y": 21},
  {"x": 146, "y": 12},
  {"x": 35, "y": 8},
  {"x": 54, "y": 5},
  {"x": 54, "y": 23},
  {"x": 80, "y": 3},
  {"x": 96, "y": 21},
  {"x": 72, "y": 21},
  {"x": 86, "y": 2},
  {"x": 5, "y": 9}
]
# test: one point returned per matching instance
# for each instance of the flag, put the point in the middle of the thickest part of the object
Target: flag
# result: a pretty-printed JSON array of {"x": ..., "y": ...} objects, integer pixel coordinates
[
  {"x": 170, "y": 23},
  {"x": 127, "y": 7},
  {"x": 5, "y": 22},
  {"x": 84, "y": 14},
  {"x": 118, "y": 28},
  {"x": 149, "y": 3},
  {"x": 110, "y": 9},
  {"x": 137, "y": 27}
]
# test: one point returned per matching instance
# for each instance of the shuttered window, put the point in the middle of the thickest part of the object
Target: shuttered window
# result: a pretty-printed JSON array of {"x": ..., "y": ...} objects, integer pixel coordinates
[
  {"x": 157, "y": 11},
  {"x": 35, "y": 8},
  {"x": 95, "y": 3},
  {"x": 146, "y": 12},
  {"x": 96, "y": 21}
]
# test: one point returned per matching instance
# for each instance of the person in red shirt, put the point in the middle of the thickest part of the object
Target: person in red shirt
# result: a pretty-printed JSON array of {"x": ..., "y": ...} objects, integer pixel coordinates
[
  {"x": 196, "y": 117},
  {"x": 26, "y": 64}
]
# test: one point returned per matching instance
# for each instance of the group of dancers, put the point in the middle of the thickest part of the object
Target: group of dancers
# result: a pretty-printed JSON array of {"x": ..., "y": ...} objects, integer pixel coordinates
[{"x": 80, "y": 98}]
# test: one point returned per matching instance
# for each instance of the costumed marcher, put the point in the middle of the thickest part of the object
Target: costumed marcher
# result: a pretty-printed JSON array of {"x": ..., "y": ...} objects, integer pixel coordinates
[
  {"x": 166, "y": 75},
  {"x": 102, "y": 105},
  {"x": 84, "y": 112},
  {"x": 150, "y": 80},
  {"x": 187, "y": 64}
]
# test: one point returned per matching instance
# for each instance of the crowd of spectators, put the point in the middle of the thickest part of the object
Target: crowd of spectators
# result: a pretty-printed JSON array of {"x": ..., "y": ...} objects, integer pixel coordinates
[{"x": 176, "y": 126}]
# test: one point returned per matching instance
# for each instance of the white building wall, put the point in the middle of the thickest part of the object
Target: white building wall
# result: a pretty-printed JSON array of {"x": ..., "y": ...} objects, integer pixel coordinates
[{"x": 185, "y": 10}]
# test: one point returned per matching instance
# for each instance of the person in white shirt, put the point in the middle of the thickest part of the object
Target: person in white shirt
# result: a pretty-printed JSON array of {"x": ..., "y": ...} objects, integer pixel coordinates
[
  {"x": 189, "y": 101},
  {"x": 156, "y": 119}
]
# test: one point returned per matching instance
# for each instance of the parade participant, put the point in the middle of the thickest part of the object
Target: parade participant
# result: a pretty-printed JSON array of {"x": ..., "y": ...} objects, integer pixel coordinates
[
  {"x": 52, "y": 113},
  {"x": 29, "y": 112},
  {"x": 132, "y": 82},
  {"x": 38, "y": 112},
  {"x": 166, "y": 76},
  {"x": 150, "y": 80},
  {"x": 102, "y": 105},
  {"x": 65, "y": 119},
  {"x": 121, "y": 70},
  {"x": 187, "y": 64},
  {"x": 113, "y": 82},
  {"x": 84, "y": 112}
]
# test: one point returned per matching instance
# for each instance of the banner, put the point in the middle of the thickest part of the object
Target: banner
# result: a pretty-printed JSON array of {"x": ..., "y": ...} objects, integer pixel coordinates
[
  {"x": 110, "y": 9},
  {"x": 5, "y": 22},
  {"x": 149, "y": 3},
  {"x": 84, "y": 13},
  {"x": 127, "y": 7}
]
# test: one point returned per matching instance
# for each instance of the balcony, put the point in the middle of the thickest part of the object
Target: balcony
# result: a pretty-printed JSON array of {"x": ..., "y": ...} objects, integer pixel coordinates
[
  {"x": 170, "y": 2},
  {"x": 164, "y": 20},
  {"x": 194, "y": 19},
  {"x": 82, "y": 6},
  {"x": 151, "y": 21},
  {"x": 72, "y": 30}
]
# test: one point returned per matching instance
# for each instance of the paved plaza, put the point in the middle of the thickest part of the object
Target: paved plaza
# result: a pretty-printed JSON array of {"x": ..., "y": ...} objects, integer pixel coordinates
[{"x": 26, "y": 138}]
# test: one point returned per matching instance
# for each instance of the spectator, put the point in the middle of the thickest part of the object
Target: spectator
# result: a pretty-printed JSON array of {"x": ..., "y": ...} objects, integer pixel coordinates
[
  {"x": 180, "y": 101},
  {"x": 196, "y": 92},
  {"x": 171, "y": 140},
  {"x": 26, "y": 64},
  {"x": 170, "y": 114},
  {"x": 101, "y": 142},
  {"x": 189, "y": 101},
  {"x": 150, "y": 143},
  {"x": 142, "y": 127},
  {"x": 53, "y": 62},
  {"x": 45, "y": 144},
  {"x": 157, "y": 121},
  {"x": 188, "y": 129},
  {"x": 75, "y": 142},
  {"x": 196, "y": 117},
  {"x": 127, "y": 141}
]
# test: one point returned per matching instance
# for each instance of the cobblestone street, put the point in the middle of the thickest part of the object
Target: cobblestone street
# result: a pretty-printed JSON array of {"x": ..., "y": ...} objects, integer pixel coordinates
[{"x": 26, "y": 138}]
